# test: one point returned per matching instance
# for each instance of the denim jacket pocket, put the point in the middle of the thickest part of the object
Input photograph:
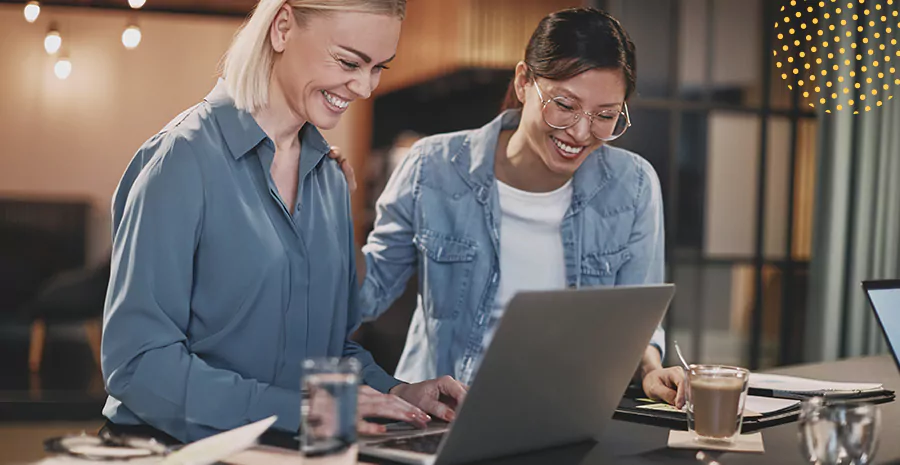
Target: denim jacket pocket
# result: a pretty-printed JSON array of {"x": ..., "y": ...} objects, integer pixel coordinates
[
  {"x": 601, "y": 268},
  {"x": 445, "y": 272}
]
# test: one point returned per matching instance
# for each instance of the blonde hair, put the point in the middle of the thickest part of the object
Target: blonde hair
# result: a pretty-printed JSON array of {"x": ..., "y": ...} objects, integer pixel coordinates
[{"x": 247, "y": 65}]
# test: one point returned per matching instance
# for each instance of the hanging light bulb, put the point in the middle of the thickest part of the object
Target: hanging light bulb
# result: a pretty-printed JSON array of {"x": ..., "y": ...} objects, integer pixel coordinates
[
  {"x": 131, "y": 36},
  {"x": 62, "y": 68},
  {"x": 53, "y": 41},
  {"x": 136, "y": 3},
  {"x": 32, "y": 11}
]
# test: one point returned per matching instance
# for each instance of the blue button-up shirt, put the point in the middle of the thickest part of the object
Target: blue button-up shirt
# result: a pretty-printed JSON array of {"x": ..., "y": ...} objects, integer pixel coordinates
[
  {"x": 440, "y": 214},
  {"x": 219, "y": 290}
]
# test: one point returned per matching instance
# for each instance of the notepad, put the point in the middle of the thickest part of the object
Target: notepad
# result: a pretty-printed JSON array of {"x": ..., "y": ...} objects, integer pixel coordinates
[
  {"x": 754, "y": 406},
  {"x": 792, "y": 386}
]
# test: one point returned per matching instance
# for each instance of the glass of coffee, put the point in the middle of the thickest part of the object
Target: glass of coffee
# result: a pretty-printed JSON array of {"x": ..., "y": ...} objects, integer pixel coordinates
[{"x": 715, "y": 402}]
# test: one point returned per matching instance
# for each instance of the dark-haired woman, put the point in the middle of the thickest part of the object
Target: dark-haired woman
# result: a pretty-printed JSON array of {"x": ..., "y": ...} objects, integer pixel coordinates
[{"x": 534, "y": 200}]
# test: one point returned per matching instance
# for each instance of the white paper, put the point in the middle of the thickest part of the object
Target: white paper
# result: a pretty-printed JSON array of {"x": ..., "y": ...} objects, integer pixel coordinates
[
  {"x": 805, "y": 385},
  {"x": 221, "y": 446}
]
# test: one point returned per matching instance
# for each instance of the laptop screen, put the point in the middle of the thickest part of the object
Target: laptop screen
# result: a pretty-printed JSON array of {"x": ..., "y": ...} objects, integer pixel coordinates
[{"x": 885, "y": 299}]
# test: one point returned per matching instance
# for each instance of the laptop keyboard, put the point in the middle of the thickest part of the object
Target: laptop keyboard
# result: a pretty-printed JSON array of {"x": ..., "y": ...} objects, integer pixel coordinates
[{"x": 425, "y": 444}]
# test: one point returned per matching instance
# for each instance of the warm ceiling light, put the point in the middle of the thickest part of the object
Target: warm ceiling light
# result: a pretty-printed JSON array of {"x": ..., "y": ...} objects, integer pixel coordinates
[
  {"x": 131, "y": 37},
  {"x": 32, "y": 11},
  {"x": 52, "y": 42},
  {"x": 63, "y": 68},
  {"x": 136, "y": 3}
]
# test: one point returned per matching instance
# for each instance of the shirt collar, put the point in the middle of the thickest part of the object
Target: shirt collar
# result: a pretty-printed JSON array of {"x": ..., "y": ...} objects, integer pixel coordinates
[{"x": 242, "y": 133}]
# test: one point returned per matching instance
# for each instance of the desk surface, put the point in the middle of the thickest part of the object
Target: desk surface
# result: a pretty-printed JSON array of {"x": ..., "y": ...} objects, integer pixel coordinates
[{"x": 633, "y": 443}]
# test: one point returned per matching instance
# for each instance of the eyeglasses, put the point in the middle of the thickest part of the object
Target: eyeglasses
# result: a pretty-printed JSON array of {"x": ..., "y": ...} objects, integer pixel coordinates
[{"x": 563, "y": 113}]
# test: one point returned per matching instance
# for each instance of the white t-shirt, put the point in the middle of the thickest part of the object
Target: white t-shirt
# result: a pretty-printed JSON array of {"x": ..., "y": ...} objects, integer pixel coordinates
[{"x": 531, "y": 249}]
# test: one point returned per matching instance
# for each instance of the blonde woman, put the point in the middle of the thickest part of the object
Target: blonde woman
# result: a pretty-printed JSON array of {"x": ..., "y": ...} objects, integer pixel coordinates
[{"x": 232, "y": 240}]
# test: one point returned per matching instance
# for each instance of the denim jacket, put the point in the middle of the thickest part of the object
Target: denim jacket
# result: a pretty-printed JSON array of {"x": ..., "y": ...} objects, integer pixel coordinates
[{"x": 440, "y": 215}]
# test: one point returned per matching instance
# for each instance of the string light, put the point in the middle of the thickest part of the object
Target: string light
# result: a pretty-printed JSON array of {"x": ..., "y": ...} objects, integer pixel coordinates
[
  {"x": 63, "y": 68},
  {"x": 131, "y": 37},
  {"x": 52, "y": 41},
  {"x": 32, "y": 11}
]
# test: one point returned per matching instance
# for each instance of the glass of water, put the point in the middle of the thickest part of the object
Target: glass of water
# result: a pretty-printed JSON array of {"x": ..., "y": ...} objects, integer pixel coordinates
[
  {"x": 839, "y": 433},
  {"x": 328, "y": 413}
]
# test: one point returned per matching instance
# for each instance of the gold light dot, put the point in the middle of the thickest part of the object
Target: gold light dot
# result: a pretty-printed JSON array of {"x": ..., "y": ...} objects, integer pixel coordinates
[
  {"x": 857, "y": 85},
  {"x": 879, "y": 103},
  {"x": 802, "y": 54},
  {"x": 808, "y": 37},
  {"x": 814, "y": 49},
  {"x": 818, "y": 89},
  {"x": 790, "y": 59},
  {"x": 790, "y": 87},
  {"x": 865, "y": 40},
  {"x": 796, "y": 71},
  {"x": 850, "y": 102},
  {"x": 824, "y": 72},
  {"x": 878, "y": 6},
  {"x": 803, "y": 26},
  {"x": 784, "y": 76},
  {"x": 778, "y": 64},
  {"x": 812, "y": 77},
  {"x": 880, "y": 75},
  {"x": 827, "y": 111},
  {"x": 885, "y": 87},
  {"x": 852, "y": 73},
  {"x": 881, "y": 47},
  {"x": 840, "y": 78},
  {"x": 826, "y": 15},
  {"x": 862, "y": 97},
  {"x": 831, "y": 27},
  {"x": 871, "y": 52},
  {"x": 875, "y": 63},
  {"x": 897, "y": 82},
  {"x": 868, "y": 80},
  {"x": 853, "y": 45},
  {"x": 871, "y": 23},
  {"x": 855, "y": 17},
  {"x": 893, "y": 70},
  {"x": 780, "y": 36},
  {"x": 785, "y": 48},
  {"x": 830, "y": 56},
  {"x": 791, "y": 30},
  {"x": 812, "y": 105},
  {"x": 893, "y": 41},
  {"x": 846, "y": 90},
  {"x": 828, "y": 84},
  {"x": 800, "y": 82},
  {"x": 818, "y": 61},
  {"x": 820, "y": 32},
  {"x": 833, "y": 96},
  {"x": 877, "y": 35},
  {"x": 787, "y": 19},
  {"x": 859, "y": 28},
  {"x": 858, "y": 56},
  {"x": 874, "y": 91},
  {"x": 868, "y": 108},
  {"x": 835, "y": 67},
  {"x": 864, "y": 69},
  {"x": 821, "y": 100},
  {"x": 793, "y": 3},
  {"x": 805, "y": 94},
  {"x": 796, "y": 43},
  {"x": 798, "y": 14},
  {"x": 838, "y": 11},
  {"x": 815, "y": 21},
  {"x": 866, "y": 11},
  {"x": 847, "y": 62},
  {"x": 839, "y": 107},
  {"x": 847, "y": 33},
  {"x": 806, "y": 66}
]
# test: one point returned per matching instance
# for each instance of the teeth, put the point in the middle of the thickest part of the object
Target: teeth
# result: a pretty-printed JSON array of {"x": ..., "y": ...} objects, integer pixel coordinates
[
  {"x": 334, "y": 100},
  {"x": 567, "y": 148}
]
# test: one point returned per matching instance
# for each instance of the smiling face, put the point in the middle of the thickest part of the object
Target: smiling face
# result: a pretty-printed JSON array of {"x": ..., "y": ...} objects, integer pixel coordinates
[
  {"x": 329, "y": 60},
  {"x": 562, "y": 151}
]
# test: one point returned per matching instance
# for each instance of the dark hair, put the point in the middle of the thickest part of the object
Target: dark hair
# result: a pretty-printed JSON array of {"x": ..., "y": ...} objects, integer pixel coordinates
[{"x": 570, "y": 42}]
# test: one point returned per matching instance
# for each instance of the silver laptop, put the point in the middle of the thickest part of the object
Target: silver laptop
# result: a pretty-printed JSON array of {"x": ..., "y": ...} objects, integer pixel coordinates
[
  {"x": 884, "y": 296},
  {"x": 554, "y": 374}
]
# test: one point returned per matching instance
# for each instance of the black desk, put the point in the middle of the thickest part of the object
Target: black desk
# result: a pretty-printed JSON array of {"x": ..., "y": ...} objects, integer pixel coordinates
[{"x": 630, "y": 443}]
